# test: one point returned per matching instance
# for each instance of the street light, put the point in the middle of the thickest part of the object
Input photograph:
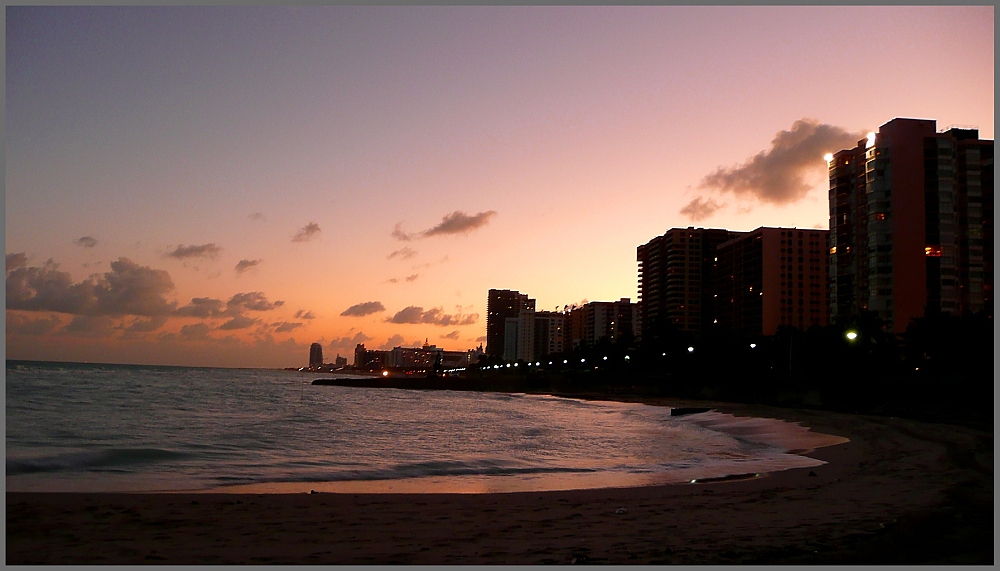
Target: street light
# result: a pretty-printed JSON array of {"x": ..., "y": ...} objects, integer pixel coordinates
[
  {"x": 690, "y": 349},
  {"x": 851, "y": 335}
]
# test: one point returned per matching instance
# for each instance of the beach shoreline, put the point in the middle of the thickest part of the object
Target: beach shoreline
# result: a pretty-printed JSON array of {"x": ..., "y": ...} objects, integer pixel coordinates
[{"x": 900, "y": 491}]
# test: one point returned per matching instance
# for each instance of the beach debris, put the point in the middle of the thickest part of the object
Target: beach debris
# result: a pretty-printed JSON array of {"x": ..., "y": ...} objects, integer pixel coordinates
[
  {"x": 313, "y": 492},
  {"x": 621, "y": 510},
  {"x": 813, "y": 474}
]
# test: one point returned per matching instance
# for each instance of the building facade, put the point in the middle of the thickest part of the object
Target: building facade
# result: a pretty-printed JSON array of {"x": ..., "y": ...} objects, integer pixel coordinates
[
  {"x": 534, "y": 335},
  {"x": 677, "y": 273},
  {"x": 773, "y": 277},
  {"x": 315, "y": 356},
  {"x": 502, "y": 304},
  {"x": 911, "y": 219},
  {"x": 613, "y": 320}
]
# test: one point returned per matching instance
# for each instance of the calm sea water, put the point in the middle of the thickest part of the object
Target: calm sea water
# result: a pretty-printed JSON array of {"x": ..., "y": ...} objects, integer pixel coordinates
[{"x": 90, "y": 427}]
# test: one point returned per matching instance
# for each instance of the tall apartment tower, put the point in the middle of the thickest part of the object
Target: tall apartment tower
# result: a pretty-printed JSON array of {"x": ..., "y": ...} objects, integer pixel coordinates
[
  {"x": 596, "y": 320},
  {"x": 501, "y": 304},
  {"x": 677, "y": 273},
  {"x": 315, "y": 355},
  {"x": 911, "y": 220},
  {"x": 773, "y": 277}
]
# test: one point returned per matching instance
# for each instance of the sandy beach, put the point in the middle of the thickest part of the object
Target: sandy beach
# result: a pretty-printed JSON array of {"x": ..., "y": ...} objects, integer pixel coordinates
[{"x": 899, "y": 492}]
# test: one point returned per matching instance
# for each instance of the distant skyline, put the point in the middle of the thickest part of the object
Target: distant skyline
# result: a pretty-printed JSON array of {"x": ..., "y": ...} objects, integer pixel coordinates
[{"x": 225, "y": 186}]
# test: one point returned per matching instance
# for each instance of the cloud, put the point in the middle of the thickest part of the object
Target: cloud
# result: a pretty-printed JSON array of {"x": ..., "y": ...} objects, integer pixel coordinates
[
  {"x": 777, "y": 175},
  {"x": 23, "y": 325},
  {"x": 283, "y": 326},
  {"x": 253, "y": 301},
  {"x": 245, "y": 265},
  {"x": 144, "y": 325},
  {"x": 481, "y": 338},
  {"x": 128, "y": 289},
  {"x": 398, "y": 233},
  {"x": 90, "y": 326},
  {"x": 257, "y": 216},
  {"x": 303, "y": 314},
  {"x": 195, "y": 331},
  {"x": 307, "y": 232},
  {"x": 457, "y": 222},
  {"x": 392, "y": 342},
  {"x": 362, "y": 309},
  {"x": 201, "y": 307},
  {"x": 453, "y": 335},
  {"x": 699, "y": 209},
  {"x": 182, "y": 252},
  {"x": 435, "y": 316},
  {"x": 349, "y": 343},
  {"x": 404, "y": 253},
  {"x": 239, "y": 322},
  {"x": 16, "y": 260},
  {"x": 86, "y": 242}
]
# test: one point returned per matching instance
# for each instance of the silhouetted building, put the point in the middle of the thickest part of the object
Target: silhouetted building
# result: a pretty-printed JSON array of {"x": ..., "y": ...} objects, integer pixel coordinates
[
  {"x": 533, "y": 335},
  {"x": 369, "y": 359},
  {"x": 613, "y": 320},
  {"x": 677, "y": 278},
  {"x": 772, "y": 277},
  {"x": 911, "y": 219},
  {"x": 315, "y": 356},
  {"x": 502, "y": 304}
]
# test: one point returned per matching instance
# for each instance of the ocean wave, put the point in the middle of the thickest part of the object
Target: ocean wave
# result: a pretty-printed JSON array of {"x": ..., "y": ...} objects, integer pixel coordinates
[{"x": 91, "y": 460}]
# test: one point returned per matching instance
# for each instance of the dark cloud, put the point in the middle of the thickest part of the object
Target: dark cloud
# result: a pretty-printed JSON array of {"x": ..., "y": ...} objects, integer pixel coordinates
[
  {"x": 182, "y": 252},
  {"x": 699, "y": 208},
  {"x": 245, "y": 265},
  {"x": 347, "y": 344},
  {"x": 195, "y": 331},
  {"x": 404, "y": 253},
  {"x": 144, "y": 325},
  {"x": 86, "y": 242},
  {"x": 777, "y": 175},
  {"x": 307, "y": 232},
  {"x": 303, "y": 314},
  {"x": 392, "y": 342},
  {"x": 481, "y": 338},
  {"x": 202, "y": 307},
  {"x": 23, "y": 325},
  {"x": 457, "y": 222},
  {"x": 16, "y": 260},
  {"x": 128, "y": 289},
  {"x": 398, "y": 233},
  {"x": 256, "y": 216},
  {"x": 412, "y": 278},
  {"x": 453, "y": 335},
  {"x": 253, "y": 301},
  {"x": 90, "y": 326},
  {"x": 362, "y": 309},
  {"x": 239, "y": 322},
  {"x": 435, "y": 316},
  {"x": 283, "y": 326}
]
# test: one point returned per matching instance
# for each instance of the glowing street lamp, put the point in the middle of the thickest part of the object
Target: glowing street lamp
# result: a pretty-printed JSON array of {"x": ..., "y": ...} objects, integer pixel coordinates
[
  {"x": 753, "y": 345},
  {"x": 690, "y": 349},
  {"x": 851, "y": 335}
]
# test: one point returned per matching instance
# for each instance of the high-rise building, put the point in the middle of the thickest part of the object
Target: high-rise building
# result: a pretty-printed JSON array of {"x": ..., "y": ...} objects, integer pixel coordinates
[
  {"x": 677, "y": 279},
  {"x": 614, "y": 320},
  {"x": 500, "y": 305},
  {"x": 315, "y": 356},
  {"x": 772, "y": 277},
  {"x": 533, "y": 335},
  {"x": 911, "y": 219}
]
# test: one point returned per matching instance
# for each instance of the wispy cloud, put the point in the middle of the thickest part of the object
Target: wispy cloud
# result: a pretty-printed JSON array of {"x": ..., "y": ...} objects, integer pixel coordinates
[
  {"x": 699, "y": 208},
  {"x": 435, "y": 316},
  {"x": 257, "y": 217},
  {"x": 392, "y": 342},
  {"x": 86, "y": 241},
  {"x": 404, "y": 253},
  {"x": 362, "y": 309},
  {"x": 303, "y": 314},
  {"x": 182, "y": 252},
  {"x": 244, "y": 265},
  {"x": 307, "y": 232},
  {"x": 285, "y": 326},
  {"x": 457, "y": 222},
  {"x": 453, "y": 335},
  {"x": 239, "y": 322},
  {"x": 777, "y": 175}
]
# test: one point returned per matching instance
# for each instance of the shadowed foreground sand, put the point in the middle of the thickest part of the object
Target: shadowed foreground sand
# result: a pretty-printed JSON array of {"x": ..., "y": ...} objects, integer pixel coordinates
[{"x": 899, "y": 492}]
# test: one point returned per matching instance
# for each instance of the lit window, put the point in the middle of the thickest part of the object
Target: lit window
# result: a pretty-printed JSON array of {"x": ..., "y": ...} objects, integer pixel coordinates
[{"x": 933, "y": 251}]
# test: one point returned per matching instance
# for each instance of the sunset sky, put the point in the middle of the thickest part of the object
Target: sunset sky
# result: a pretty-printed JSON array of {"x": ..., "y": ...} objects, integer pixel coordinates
[{"x": 225, "y": 186}]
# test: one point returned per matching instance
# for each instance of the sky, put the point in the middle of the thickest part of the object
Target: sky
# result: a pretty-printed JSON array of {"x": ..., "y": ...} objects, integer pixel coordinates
[{"x": 225, "y": 186}]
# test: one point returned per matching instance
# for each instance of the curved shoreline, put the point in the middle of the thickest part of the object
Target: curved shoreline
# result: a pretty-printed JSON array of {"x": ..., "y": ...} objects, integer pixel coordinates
[{"x": 900, "y": 492}]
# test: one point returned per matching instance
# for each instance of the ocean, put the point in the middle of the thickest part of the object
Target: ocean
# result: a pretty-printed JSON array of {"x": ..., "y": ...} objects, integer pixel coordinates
[{"x": 138, "y": 428}]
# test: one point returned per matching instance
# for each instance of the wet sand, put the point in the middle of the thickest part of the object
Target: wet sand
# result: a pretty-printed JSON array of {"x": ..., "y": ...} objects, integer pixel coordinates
[{"x": 900, "y": 492}]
